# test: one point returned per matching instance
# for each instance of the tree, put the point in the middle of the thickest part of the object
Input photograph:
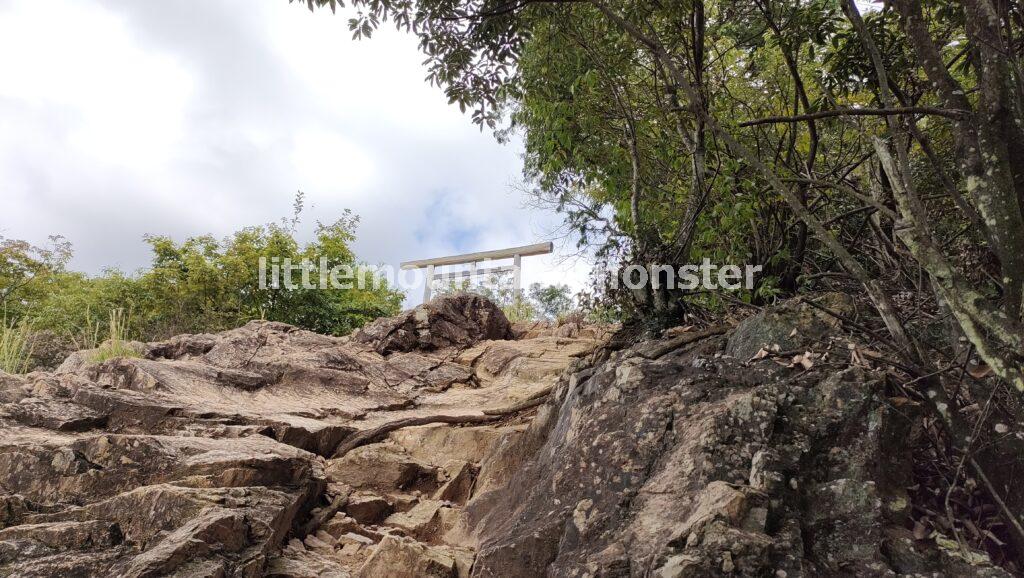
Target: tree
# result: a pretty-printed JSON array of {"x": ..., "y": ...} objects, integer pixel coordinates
[
  {"x": 552, "y": 301},
  {"x": 201, "y": 284},
  {"x": 26, "y": 270},
  {"x": 826, "y": 142}
]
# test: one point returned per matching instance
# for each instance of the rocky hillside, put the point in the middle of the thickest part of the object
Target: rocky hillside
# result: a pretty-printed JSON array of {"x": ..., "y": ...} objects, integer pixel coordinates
[
  {"x": 446, "y": 443},
  {"x": 214, "y": 455}
]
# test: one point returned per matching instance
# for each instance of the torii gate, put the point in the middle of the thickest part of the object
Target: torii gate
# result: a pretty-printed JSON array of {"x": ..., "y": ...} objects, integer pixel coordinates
[{"x": 515, "y": 253}]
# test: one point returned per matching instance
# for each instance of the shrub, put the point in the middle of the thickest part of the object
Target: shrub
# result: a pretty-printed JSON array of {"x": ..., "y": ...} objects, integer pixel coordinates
[
  {"x": 198, "y": 285},
  {"x": 117, "y": 344},
  {"x": 520, "y": 309}
]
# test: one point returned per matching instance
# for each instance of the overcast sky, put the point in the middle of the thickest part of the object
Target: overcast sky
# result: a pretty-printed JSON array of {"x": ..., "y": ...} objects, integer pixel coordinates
[{"x": 124, "y": 117}]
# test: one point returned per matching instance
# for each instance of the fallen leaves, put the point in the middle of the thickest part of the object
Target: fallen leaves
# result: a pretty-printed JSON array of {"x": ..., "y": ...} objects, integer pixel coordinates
[
  {"x": 674, "y": 331},
  {"x": 901, "y": 401},
  {"x": 804, "y": 360},
  {"x": 764, "y": 352}
]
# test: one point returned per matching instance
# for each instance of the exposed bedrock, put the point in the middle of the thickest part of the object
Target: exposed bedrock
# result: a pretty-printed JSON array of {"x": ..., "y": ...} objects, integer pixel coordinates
[{"x": 447, "y": 443}]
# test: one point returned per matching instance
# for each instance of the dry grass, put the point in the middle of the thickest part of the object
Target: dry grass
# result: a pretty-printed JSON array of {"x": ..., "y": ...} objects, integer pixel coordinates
[
  {"x": 117, "y": 344},
  {"x": 15, "y": 347}
]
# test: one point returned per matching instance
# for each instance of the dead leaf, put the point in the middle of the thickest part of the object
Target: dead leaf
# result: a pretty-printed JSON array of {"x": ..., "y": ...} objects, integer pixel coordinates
[
  {"x": 674, "y": 331},
  {"x": 761, "y": 354},
  {"x": 979, "y": 371},
  {"x": 803, "y": 360},
  {"x": 856, "y": 355}
]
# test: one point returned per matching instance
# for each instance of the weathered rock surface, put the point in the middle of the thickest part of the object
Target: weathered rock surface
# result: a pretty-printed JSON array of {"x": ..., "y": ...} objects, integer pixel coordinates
[
  {"x": 700, "y": 461},
  {"x": 460, "y": 320},
  {"x": 788, "y": 326},
  {"x": 218, "y": 455},
  {"x": 209, "y": 455}
]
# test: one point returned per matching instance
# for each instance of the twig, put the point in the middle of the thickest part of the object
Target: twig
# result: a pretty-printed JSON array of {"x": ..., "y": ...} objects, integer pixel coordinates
[
  {"x": 261, "y": 340},
  {"x": 322, "y": 516},
  {"x": 532, "y": 401},
  {"x": 855, "y": 112},
  {"x": 677, "y": 342},
  {"x": 998, "y": 499},
  {"x": 374, "y": 434}
]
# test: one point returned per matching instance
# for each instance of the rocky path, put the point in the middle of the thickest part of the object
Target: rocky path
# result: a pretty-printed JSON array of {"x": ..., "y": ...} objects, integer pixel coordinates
[
  {"x": 442, "y": 443},
  {"x": 215, "y": 455}
]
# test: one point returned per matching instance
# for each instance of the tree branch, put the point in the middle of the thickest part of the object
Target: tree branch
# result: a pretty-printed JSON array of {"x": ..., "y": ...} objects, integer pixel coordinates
[{"x": 792, "y": 119}]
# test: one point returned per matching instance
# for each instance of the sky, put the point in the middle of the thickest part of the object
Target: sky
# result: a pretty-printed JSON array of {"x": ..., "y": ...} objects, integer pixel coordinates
[{"x": 121, "y": 118}]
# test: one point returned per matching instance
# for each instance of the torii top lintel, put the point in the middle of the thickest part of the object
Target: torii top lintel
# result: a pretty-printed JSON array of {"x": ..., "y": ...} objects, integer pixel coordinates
[{"x": 515, "y": 253}]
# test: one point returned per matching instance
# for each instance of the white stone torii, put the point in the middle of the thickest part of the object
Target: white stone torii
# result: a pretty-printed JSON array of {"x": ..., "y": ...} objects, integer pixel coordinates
[{"x": 515, "y": 253}]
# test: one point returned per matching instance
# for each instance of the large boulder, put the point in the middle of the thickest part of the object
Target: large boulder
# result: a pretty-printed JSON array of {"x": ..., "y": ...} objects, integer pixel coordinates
[
  {"x": 792, "y": 325},
  {"x": 690, "y": 462},
  {"x": 458, "y": 320},
  {"x": 404, "y": 558}
]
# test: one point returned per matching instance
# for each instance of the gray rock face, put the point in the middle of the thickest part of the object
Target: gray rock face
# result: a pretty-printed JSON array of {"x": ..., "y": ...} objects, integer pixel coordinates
[
  {"x": 696, "y": 463},
  {"x": 788, "y": 326}
]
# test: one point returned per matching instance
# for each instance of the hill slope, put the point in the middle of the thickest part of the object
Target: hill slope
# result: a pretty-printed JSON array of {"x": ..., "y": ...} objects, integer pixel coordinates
[{"x": 445, "y": 443}]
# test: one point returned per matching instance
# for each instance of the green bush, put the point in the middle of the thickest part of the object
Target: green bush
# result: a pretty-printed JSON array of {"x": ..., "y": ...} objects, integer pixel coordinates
[
  {"x": 520, "y": 309},
  {"x": 201, "y": 284}
]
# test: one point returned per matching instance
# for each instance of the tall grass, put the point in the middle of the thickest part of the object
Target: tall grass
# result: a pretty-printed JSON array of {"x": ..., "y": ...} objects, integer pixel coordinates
[
  {"x": 87, "y": 336},
  {"x": 117, "y": 344},
  {"x": 15, "y": 346}
]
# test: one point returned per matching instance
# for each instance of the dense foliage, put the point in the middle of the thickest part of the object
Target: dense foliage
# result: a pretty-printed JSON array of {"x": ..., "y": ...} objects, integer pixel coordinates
[
  {"x": 879, "y": 152},
  {"x": 201, "y": 284}
]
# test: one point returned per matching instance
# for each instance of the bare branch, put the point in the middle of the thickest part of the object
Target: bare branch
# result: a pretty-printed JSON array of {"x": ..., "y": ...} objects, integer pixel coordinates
[{"x": 791, "y": 119}]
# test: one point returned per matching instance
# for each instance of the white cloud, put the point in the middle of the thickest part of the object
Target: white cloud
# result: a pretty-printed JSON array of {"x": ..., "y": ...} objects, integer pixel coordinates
[
  {"x": 123, "y": 105},
  {"x": 120, "y": 118},
  {"x": 326, "y": 160}
]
